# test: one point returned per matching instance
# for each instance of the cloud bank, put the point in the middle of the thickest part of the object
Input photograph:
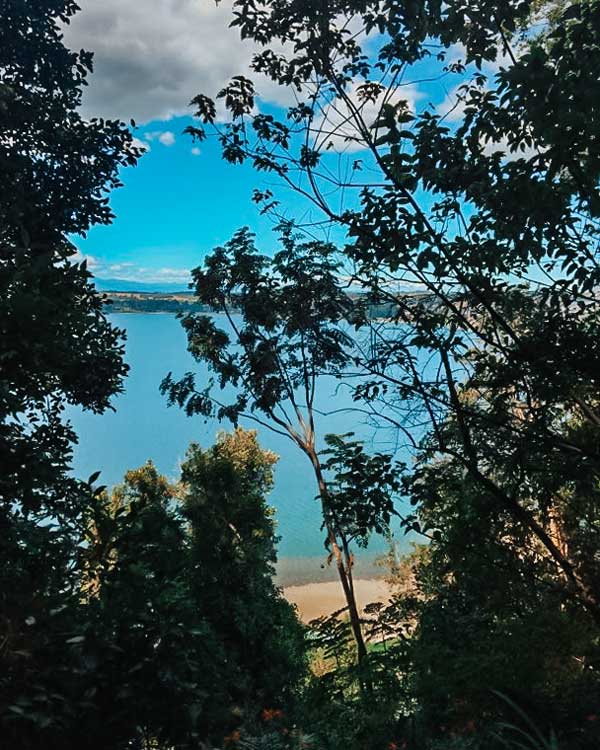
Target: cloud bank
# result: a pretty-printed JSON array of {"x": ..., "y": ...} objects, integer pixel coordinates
[
  {"x": 127, "y": 271},
  {"x": 152, "y": 56}
]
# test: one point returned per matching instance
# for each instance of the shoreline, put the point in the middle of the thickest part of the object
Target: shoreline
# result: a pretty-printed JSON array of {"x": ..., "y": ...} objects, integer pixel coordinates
[
  {"x": 301, "y": 571},
  {"x": 320, "y": 599}
]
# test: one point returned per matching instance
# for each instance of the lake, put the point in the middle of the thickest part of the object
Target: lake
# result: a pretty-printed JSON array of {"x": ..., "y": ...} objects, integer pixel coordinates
[{"x": 142, "y": 427}]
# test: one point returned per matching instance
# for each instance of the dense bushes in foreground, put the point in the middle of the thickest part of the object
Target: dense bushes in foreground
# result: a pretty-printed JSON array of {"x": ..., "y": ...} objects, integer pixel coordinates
[{"x": 172, "y": 630}]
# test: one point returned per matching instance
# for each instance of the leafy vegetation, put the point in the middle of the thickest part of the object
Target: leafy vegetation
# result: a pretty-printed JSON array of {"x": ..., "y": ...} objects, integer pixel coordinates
[
  {"x": 175, "y": 632},
  {"x": 58, "y": 347},
  {"x": 490, "y": 377},
  {"x": 148, "y": 617}
]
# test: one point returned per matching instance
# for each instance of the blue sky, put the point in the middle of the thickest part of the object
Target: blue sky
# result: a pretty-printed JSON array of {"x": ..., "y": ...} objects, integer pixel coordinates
[
  {"x": 174, "y": 207},
  {"x": 181, "y": 200}
]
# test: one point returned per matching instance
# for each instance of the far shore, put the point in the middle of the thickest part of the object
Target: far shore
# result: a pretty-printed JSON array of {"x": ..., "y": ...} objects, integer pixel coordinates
[{"x": 319, "y": 599}]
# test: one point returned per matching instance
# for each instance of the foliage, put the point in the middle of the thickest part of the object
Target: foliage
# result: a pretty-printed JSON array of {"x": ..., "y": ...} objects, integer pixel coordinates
[
  {"x": 489, "y": 207},
  {"x": 289, "y": 307},
  {"x": 288, "y": 330},
  {"x": 184, "y": 621},
  {"x": 151, "y": 618},
  {"x": 232, "y": 553},
  {"x": 336, "y": 706},
  {"x": 494, "y": 216},
  {"x": 362, "y": 489},
  {"x": 190, "y": 623},
  {"x": 153, "y": 661},
  {"x": 487, "y": 578},
  {"x": 173, "y": 632},
  {"x": 280, "y": 739},
  {"x": 56, "y": 347}
]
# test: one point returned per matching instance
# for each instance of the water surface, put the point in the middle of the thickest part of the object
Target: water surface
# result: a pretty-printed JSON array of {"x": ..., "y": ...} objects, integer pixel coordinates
[{"x": 142, "y": 427}]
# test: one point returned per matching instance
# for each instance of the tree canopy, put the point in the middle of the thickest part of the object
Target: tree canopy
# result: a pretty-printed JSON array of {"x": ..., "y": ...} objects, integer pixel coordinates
[
  {"x": 56, "y": 347},
  {"x": 57, "y": 169},
  {"x": 474, "y": 220}
]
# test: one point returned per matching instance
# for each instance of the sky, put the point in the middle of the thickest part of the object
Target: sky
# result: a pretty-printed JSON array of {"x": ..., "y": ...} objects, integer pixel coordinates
[{"x": 150, "y": 59}]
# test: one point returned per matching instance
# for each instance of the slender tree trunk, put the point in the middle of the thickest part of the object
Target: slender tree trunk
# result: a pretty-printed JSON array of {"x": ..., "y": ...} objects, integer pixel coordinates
[
  {"x": 345, "y": 574},
  {"x": 346, "y": 581}
]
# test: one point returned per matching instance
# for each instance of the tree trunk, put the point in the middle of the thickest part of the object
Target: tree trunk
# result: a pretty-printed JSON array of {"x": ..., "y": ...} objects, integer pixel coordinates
[
  {"x": 345, "y": 575},
  {"x": 349, "y": 594}
]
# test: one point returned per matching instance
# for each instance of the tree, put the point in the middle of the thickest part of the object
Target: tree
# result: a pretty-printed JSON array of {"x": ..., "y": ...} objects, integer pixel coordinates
[
  {"x": 189, "y": 638},
  {"x": 490, "y": 207},
  {"x": 56, "y": 346},
  {"x": 171, "y": 631},
  {"x": 474, "y": 221},
  {"x": 57, "y": 169},
  {"x": 231, "y": 566},
  {"x": 485, "y": 577},
  {"x": 149, "y": 663},
  {"x": 286, "y": 319}
]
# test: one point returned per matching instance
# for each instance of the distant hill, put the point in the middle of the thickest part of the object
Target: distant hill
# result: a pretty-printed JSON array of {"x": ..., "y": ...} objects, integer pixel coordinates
[
  {"x": 142, "y": 301},
  {"x": 122, "y": 285}
]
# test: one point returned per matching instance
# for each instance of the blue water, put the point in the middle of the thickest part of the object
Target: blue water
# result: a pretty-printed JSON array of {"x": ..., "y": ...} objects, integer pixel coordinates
[{"x": 142, "y": 427}]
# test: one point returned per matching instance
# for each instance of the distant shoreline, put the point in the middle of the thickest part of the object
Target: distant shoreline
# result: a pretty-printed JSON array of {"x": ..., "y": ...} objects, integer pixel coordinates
[
  {"x": 152, "y": 302},
  {"x": 182, "y": 302}
]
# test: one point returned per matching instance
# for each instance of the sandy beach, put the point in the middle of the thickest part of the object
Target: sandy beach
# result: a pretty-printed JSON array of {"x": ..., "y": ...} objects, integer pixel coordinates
[{"x": 318, "y": 599}]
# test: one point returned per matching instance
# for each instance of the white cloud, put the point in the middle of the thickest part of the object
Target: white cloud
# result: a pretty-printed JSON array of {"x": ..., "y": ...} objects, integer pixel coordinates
[
  {"x": 335, "y": 126},
  {"x": 152, "y": 56},
  {"x": 196, "y": 151},
  {"x": 458, "y": 52},
  {"x": 79, "y": 257},
  {"x": 509, "y": 153},
  {"x": 119, "y": 267},
  {"x": 167, "y": 138},
  {"x": 131, "y": 271}
]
